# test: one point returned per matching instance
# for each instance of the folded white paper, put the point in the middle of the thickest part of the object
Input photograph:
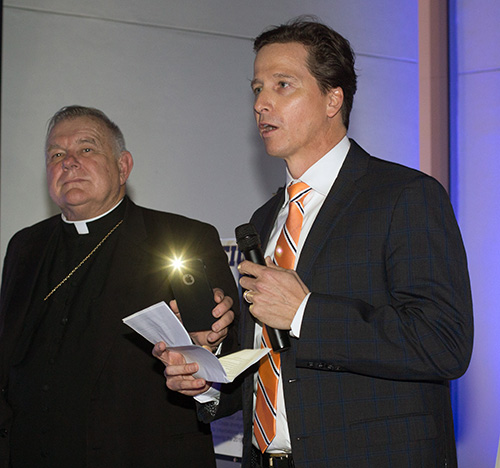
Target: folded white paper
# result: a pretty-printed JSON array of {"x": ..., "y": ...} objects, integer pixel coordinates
[{"x": 159, "y": 323}]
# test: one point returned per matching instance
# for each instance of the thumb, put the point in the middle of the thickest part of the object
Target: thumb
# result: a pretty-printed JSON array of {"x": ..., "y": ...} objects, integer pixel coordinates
[{"x": 269, "y": 262}]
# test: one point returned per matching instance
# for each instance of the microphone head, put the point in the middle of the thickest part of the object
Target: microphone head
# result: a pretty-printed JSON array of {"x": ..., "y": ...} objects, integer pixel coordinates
[{"x": 247, "y": 237}]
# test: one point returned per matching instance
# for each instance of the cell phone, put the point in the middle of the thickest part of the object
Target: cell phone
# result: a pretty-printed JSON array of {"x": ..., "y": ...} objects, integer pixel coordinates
[{"x": 193, "y": 293}]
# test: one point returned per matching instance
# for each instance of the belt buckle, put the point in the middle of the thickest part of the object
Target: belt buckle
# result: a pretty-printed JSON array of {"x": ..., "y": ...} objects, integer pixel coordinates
[{"x": 276, "y": 457}]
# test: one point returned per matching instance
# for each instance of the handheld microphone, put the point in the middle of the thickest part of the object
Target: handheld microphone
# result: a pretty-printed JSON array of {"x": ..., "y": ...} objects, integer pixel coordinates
[{"x": 248, "y": 241}]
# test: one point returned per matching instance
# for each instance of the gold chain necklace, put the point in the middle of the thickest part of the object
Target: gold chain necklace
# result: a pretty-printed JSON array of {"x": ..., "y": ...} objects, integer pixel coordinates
[{"x": 82, "y": 262}]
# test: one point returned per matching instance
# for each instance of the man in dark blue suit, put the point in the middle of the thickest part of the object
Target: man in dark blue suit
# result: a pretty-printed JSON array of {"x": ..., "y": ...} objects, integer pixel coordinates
[{"x": 377, "y": 303}]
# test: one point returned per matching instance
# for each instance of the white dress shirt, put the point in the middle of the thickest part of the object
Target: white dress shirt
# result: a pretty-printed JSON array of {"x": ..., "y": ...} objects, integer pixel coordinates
[{"x": 320, "y": 177}]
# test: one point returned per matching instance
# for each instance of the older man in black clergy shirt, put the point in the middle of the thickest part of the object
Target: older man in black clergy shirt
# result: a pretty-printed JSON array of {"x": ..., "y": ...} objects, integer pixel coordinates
[
  {"x": 378, "y": 301},
  {"x": 79, "y": 388}
]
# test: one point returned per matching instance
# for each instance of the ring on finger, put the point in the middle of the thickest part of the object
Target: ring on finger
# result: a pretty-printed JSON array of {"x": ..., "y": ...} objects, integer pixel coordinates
[{"x": 245, "y": 296}]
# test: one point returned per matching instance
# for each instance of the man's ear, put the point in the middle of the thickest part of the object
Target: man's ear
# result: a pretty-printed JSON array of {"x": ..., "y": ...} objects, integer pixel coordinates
[
  {"x": 335, "y": 101},
  {"x": 125, "y": 165}
]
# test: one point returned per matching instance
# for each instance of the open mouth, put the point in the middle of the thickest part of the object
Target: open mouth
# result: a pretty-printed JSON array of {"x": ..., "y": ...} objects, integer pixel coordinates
[{"x": 266, "y": 128}]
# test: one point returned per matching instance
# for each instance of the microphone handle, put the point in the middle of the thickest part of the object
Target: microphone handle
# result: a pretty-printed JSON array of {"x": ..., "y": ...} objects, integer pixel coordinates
[
  {"x": 255, "y": 256},
  {"x": 280, "y": 339}
]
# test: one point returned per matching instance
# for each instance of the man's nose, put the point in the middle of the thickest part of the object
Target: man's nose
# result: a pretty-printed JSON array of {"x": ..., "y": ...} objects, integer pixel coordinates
[
  {"x": 262, "y": 102},
  {"x": 70, "y": 161}
]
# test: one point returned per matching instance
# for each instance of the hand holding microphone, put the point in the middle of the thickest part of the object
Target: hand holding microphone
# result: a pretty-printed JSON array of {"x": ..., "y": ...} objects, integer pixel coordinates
[{"x": 249, "y": 244}]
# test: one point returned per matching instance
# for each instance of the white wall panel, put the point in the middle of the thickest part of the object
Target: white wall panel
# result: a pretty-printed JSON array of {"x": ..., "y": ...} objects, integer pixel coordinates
[
  {"x": 385, "y": 113},
  {"x": 383, "y": 27},
  {"x": 185, "y": 113},
  {"x": 175, "y": 76}
]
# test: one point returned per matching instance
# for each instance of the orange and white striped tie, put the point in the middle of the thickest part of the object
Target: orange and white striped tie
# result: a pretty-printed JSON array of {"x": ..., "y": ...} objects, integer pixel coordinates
[
  {"x": 286, "y": 247},
  {"x": 270, "y": 365}
]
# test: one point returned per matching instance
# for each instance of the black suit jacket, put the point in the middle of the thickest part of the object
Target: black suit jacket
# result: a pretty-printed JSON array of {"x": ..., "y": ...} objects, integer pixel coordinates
[
  {"x": 388, "y": 324},
  {"x": 134, "y": 421}
]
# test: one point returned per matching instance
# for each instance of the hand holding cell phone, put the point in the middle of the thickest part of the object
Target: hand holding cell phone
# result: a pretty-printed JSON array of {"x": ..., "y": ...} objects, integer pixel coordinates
[{"x": 193, "y": 293}]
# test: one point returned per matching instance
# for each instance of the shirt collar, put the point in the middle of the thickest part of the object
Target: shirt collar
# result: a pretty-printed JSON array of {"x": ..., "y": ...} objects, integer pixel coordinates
[
  {"x": 81, "y": 226},
  {"x": 323, "y": 173}
]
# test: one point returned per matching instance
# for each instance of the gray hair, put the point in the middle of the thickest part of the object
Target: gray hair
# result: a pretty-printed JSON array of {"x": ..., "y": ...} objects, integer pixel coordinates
[{"x": 72, "y": 112}]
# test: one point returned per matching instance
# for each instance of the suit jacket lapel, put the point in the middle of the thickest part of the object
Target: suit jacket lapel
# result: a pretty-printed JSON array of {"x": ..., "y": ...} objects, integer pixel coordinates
[
  {"x": 341, "y": 195},
  {"x": 270, "y": 218}
]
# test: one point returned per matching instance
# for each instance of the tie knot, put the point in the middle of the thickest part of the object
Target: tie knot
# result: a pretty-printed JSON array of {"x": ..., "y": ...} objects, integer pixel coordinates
[{"x": 298, "y": 190}]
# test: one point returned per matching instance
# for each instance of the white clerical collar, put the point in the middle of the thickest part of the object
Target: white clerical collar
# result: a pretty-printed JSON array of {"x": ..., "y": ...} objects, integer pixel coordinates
[
  {"x": 81, "y": 226},
  {"x": 323, "y": 173}
]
